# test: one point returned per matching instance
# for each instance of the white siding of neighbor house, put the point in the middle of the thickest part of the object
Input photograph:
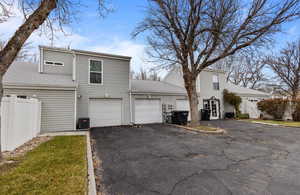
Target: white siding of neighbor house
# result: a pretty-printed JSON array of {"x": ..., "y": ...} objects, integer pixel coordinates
[
  {"x": 57, "y": 107},
  {"x": 65, "y": 58},
  {"x": 204, "y": 86},
  {"x": 115, "y": 84}
]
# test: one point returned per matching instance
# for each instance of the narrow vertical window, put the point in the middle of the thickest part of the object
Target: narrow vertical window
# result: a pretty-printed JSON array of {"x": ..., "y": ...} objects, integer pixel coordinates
[{"x": 215, "y": 80}]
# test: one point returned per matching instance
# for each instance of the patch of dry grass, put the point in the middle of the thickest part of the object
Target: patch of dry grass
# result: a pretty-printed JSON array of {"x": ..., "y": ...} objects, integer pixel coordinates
[{"x": 205, "y": 128}]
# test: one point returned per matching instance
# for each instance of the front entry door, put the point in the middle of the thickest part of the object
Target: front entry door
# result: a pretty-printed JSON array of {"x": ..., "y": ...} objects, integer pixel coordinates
[
  {"x": 213, "y": 106},
  {"x": 214, "y": 113}
]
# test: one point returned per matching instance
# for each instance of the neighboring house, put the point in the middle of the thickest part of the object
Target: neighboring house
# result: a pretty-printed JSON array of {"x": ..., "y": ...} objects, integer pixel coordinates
[
  {"x": 73, "y": 84},
  {"x": 210, "y": 89},
  {"x": 250, "y": 97}
]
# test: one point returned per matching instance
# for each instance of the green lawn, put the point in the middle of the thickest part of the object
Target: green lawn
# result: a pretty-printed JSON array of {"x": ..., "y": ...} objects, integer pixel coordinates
[
  {"x": 284, "y": 123},
  {"x": 55, "y": 167}
]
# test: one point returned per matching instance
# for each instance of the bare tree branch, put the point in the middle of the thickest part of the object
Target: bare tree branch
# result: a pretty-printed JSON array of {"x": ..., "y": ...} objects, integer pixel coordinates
[
  {"x": 247, "y": 70},
  {"x": 286, "y": 66},
  {"x": 4, "y": 11}
]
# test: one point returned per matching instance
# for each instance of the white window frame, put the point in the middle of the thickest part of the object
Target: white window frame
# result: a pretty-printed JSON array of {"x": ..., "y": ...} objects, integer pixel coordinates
[
  {"x": 89, "y": 72},
  {"x": 53, "y": 63}
]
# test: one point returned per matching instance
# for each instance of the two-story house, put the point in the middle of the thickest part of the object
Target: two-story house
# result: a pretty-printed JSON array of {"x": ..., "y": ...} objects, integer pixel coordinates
[
  {"x": 210, "y": 87},
  {"x": 73, "y": 84}
]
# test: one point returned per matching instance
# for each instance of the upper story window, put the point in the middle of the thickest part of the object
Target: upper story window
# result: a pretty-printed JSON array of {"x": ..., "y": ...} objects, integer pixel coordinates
[
  {"x": 216, "y": 84},
  {"x": 54, "y": 63},
  {"x": 96, "y": 72}
]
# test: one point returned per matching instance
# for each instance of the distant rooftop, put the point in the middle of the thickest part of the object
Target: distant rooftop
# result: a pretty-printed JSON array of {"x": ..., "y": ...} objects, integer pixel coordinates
[
  {"x": 149, "y": 86},
  {"x": 243, "y": 90}
]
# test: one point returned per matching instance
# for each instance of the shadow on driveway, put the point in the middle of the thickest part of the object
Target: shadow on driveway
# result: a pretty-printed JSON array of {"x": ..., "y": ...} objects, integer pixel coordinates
[{"x": 161, "y": 159}]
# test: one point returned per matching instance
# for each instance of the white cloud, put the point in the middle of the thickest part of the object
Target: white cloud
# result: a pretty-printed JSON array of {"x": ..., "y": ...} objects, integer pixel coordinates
[
  {"x": 127, "y": 48},
  {"x": 115, "y": 45},
  {"x": 60, "y": 39}
]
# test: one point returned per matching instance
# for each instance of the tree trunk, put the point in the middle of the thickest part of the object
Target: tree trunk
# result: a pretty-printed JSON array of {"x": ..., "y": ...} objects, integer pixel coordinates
[
  {"x": 190, "y": 85},
  {"x": 1, "y": 95},
  {"x": 14, "y": 45}
]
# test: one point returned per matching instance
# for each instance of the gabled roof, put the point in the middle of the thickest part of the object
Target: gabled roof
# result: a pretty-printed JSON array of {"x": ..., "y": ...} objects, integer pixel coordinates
[
  {"x": 243, "y": 90},
  {"x": 26, "y": 74},
  {"x": 159, "y": 87}
]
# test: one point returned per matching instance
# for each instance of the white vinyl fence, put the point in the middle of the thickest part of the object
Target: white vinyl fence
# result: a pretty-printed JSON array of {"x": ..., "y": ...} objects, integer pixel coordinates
[{"x": 20, "y": 121}]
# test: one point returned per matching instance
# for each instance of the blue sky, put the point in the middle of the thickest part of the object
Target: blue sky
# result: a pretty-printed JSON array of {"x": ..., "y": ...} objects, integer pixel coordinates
[{"x": 112, "y": 34}]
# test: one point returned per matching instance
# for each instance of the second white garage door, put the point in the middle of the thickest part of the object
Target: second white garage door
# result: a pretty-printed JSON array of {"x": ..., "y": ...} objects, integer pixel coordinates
[
  {"x": 105, "y": 112},
  {"x": 147, "y": 111}
]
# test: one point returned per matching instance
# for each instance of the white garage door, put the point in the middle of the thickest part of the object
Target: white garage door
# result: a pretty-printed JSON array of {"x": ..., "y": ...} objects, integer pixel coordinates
[
  {"x": 251, "y": 108},
  {"x": 183, "y": 105},
  {"x": 147, "y": 111},
  {"x": 105, "y": 112}
]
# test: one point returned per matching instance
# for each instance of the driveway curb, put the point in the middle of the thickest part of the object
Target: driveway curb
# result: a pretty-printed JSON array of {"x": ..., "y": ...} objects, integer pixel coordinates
[
  {"x": 91, "y": 175},
  {"x": 219, "y": 131}
]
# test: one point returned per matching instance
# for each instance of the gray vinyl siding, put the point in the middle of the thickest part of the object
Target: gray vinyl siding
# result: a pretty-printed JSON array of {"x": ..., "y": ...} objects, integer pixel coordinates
[
  {"x": 65, "y": 58},
  {"x": 57, "y": 107},
  {"x": 115, "y": 84},
  {"x": 164, "y": 99}
]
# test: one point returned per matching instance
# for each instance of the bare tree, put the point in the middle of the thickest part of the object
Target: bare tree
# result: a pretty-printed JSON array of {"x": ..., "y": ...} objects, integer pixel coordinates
[
  {"x": 286, "y": 66},
  {"x": 198, "y": 33},
  {"x": 36, "y": 13},
  {"x": 143, "y": 74},
  {"x": 247, "y": 70}
]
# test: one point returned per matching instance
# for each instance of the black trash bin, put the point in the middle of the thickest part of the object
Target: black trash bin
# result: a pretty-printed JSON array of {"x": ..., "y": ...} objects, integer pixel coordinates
[
  {"x": 205, "y": 114},
  {"x": 229, "y": 115},
  {"x": 83, "y": 123},
  {"x": 180, "y": 117}
]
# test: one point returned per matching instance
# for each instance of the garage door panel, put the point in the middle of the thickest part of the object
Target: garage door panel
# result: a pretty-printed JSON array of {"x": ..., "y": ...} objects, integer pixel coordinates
[
  {"x": 147, "y": 111},
  {"x": 105, "y": 112}
]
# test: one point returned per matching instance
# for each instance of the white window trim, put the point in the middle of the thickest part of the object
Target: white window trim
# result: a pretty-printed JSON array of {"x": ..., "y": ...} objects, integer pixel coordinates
[
  {"x": 53, "y": 63},
  {"x": 89, "y": 72}
]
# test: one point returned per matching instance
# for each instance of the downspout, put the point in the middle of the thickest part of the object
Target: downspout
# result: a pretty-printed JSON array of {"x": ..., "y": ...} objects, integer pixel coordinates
[
  {"x": 41, "y": 60},
  {"x": 130, "y": 96},
  {"x": 75, "y": 110},
  {"x": 74, "y": 79},
  {"x": 74, "y": 66},
  {"x": 130, "y": 101}
]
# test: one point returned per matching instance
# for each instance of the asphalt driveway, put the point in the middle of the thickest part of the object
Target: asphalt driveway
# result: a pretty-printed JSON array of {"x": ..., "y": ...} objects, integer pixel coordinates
[{"x": 159, "y": 159}]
